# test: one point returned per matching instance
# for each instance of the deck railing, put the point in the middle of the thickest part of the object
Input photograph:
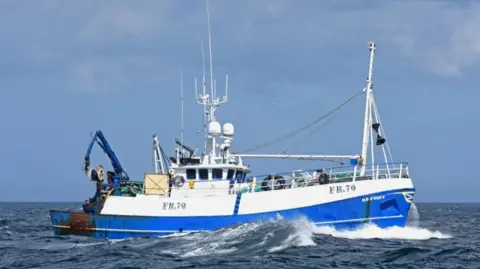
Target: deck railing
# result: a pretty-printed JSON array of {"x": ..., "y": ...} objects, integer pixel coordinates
[{"x": 303, "y": 178}]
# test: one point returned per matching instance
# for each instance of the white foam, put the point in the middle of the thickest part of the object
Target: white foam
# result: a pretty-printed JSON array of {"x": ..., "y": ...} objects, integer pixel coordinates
[
  {"x": 200, "y": 248},
  {"x": 265, "y": 239},
  {"x": 240, "y": 230},
  {"x": 65, "y": 246},
  {"x": 208, "y": 249},
  {"x": 371, "y": 231},
  {"x": 302, "y": 236},
  {"x": 175, "y": 235},
  {"x": 413, "y": 216},
  {"x": 213, "y": 242},
  {"x": 6, "y": 229}
]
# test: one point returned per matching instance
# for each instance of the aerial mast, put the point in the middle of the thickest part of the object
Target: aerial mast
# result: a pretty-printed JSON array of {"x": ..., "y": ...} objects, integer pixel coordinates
[
  {"x": 367, "y": 119},
  {"x": 212, "y": 132},
  {"x": 214, "y": 128},
  {"x": 181, "y": 97},
  {"x": 202, "y": 99},
  {"x": 210, "y": 54}
]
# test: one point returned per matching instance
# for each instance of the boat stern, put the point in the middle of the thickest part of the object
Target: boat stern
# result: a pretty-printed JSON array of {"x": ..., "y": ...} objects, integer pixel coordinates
[{"x": 66, "y": 222}]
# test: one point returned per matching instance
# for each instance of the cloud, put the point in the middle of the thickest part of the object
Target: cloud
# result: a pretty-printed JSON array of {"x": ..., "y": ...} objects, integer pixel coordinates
[
  {"x": 39, "y": 54},
  {"x": 121, "y": 23},
  {"x": 116, "y": 73},
  {"x": 288, "y": 62},
  {"x": 462, "y": 49},
  {"x": 269, "y": 42},
  {"x": 94, "y": 76}
]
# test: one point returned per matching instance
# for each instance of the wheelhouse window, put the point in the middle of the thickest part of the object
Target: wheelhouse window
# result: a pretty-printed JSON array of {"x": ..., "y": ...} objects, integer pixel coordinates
[
  {"x": 230, "y": 173},
  {"x": 217, "y": 173},
  {"x": 203, "y": 174},
  {"x": 191, "y": 174},
  {"x": 239, "y": 176}
]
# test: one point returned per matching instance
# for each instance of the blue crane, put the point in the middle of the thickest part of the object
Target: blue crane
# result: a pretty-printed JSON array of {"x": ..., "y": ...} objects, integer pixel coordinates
[{"x": 120, "y": 174}]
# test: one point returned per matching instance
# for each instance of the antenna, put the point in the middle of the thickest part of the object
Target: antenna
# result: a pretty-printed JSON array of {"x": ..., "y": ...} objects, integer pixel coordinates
[
  {"x": 225, "y": 98},
  {"x": 214, "y": 97},
  {"x": 203, "y": 65},
  {"x": 209, "y": 101},
  {"x": 181, "y": 97},
  {"x": 210, "y": 51},
  {"x": 204, "y": 101},
  {"x": 196, "y": 91}
]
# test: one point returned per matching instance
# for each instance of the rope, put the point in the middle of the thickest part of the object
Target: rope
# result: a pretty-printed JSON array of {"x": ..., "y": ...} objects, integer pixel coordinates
[
  {"x": 165, "y": 158},
  {"x": 291, "y": 134},
  {"x": 312, "y": 132},
  {"x": 377, "y": 115}
]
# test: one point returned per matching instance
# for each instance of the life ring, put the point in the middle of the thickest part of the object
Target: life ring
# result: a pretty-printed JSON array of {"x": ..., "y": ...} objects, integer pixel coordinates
[{"x": 179, "y": 181}]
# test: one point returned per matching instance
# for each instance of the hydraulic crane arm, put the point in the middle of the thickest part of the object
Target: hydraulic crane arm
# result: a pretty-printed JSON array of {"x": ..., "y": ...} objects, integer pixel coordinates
[{"x": 102, "y": 142}]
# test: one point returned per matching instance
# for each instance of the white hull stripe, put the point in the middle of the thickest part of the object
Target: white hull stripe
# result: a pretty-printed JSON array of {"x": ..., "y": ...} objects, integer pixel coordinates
[
  {"x": 359, "y": 220},
  {"x": 190, "y": 231}
]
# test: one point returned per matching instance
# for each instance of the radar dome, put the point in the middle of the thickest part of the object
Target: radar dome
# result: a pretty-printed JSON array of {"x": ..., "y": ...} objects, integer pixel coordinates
[
  {"x": 214, "y": 128},
  {"x": 228, "y": 129}
]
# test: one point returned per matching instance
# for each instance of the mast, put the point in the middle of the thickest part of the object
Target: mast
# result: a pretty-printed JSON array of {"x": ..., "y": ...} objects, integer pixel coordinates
[
  {"x": 204, "y": 85},
  {"x": 367, "y": 119},
  {"x": 181, "y": 97},
  {"x": 211, "y": 103},
  {"x": 202, "y": 100},
  {"x": 212, "y": 96},
  {"x": 210, "y": 54}
]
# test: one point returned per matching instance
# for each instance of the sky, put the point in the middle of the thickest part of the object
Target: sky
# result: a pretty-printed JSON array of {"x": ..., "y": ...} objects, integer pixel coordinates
[{"x": 70, "y": 68}]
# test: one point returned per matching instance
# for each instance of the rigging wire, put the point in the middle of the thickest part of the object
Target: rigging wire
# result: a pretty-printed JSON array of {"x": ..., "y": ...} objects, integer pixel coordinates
[
  {"x": 165, "y": 158},
  {"x": 291, "y": 134},
  {"x": 316, "y": 130},
  {"x": 377, "y": 115}
]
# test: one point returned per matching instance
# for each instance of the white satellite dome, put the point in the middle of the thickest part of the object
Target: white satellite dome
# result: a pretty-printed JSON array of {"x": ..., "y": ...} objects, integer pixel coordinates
[
  {"x": 214, "y": 128},
  {"x": 228, "y": 129}
]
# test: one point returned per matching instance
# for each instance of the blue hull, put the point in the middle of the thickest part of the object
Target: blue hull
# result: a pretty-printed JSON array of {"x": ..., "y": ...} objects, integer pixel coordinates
[{"x": 383, "y": 209}]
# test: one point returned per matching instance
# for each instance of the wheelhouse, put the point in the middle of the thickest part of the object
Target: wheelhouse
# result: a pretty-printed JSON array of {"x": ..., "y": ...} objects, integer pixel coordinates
[{"x": 205, "y": 173}]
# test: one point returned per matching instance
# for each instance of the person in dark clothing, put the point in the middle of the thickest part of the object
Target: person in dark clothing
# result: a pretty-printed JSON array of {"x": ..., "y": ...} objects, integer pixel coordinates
[
  {"x": 171, "y": 181},
  {"x": 323, "y": 177},
  {"x": 110, "y": 175}
]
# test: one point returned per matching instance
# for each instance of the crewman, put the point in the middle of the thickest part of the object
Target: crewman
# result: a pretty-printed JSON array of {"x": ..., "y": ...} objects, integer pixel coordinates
[
  {"x": 110, "y": 176},
  {"x": 171, "y": 180},
  {"x": 323, "y": 177}
]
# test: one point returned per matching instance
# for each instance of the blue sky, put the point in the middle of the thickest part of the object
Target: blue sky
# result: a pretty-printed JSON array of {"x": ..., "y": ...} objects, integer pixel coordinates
[{"x": 70, "y": 68}]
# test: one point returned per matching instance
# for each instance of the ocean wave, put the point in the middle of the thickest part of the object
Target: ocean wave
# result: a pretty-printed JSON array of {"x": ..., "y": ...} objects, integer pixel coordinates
[
  {"x": 253, "y": 238},
  {"x": 432, "y": 240},
  {"x": 371, "y": 231}
]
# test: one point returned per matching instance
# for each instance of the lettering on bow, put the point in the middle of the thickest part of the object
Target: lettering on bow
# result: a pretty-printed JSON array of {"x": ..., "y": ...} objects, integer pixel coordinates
[
  {"x": 342, "y": 188},
  {"x": 174, "y": 206}
]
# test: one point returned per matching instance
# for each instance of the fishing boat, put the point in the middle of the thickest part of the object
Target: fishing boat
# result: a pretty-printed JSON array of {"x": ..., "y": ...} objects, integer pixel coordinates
[{"x": 191, "y": 192}]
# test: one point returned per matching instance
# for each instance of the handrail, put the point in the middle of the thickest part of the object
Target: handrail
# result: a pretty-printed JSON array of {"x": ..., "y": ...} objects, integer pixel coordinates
[
  {"x": 290, "y": 182},
  {"x": 296, "y": 179},
  {"x": 403, "y": 164},
  {"x": 335, "y": 174}
]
